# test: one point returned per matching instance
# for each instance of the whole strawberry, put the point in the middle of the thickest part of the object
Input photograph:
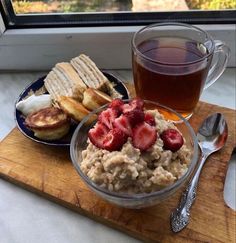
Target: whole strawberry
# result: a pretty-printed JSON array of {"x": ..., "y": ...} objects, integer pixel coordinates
[{"x": 172, "y": 140}]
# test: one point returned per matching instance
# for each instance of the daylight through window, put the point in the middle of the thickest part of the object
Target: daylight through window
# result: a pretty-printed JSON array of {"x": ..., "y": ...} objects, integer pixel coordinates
[
  {"x": 73, "y": 6},
  {"x": 79, "y": 13}
]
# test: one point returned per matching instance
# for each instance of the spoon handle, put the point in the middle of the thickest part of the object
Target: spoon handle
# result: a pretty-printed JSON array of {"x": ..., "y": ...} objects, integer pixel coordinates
[{"x": 180, "y": 216}]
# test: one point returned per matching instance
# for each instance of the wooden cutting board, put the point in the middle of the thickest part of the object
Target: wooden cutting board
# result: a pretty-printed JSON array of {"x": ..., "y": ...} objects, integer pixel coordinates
[{"x": 48, "y": 172}]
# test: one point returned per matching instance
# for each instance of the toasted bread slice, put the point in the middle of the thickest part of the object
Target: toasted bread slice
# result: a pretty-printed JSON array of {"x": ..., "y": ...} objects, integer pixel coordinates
[
  {"x": 64, "y": 81},
  {"x": 94, "y": 98},
  {"x": 89, "y": 72},
  {"x": 74, "y": 109},
  {"x": 92, "y": 76},
  {"x": 71, "y": 76}
]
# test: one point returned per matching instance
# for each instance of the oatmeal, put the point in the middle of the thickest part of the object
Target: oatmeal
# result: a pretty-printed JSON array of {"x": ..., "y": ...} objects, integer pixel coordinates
[{"x": 133, "y": 169}]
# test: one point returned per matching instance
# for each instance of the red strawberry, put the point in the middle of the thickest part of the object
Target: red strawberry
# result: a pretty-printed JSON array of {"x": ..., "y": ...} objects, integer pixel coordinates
[
  {"x": 136, "y": 103},
  {"x": 123, "y": 124},
  {"x": 127, "y": 108},
  {"x": 114, "y": 140},
  {"x": 149, "y": 119},
  {"x": 172, "y": 140},
  {"x": 117, "y": 104},
  {"x": 97, "y": 134},
  {"x": 144, "y": 136},
  {"x": 135, "y": 116},
  {"x": 107, "y": 117}
]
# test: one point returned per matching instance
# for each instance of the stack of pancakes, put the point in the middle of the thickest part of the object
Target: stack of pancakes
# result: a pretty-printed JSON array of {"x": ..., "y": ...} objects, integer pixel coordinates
[{"x": 76, "y": 89}]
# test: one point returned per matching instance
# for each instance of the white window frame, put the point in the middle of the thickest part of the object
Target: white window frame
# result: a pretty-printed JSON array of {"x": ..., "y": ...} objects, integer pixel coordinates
[{"x": 109, "y": 47}]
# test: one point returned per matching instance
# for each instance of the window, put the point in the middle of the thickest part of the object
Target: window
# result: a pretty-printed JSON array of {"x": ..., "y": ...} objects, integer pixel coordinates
[
  {"x": 38, "y": 13},
  {"x": 39, "y": 33}
]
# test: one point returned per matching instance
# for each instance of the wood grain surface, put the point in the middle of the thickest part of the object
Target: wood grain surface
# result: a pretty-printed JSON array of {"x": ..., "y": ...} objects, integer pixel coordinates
[{"x": 48, "y": 172}]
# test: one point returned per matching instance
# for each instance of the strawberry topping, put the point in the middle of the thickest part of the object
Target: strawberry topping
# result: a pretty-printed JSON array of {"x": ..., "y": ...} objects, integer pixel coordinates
[
  {"x": 107, "y": 117},
  {"x": 144, "y": 136},
  {"x": 97, "y": 135},
  {"x": 136, "y": 103},
  {"x": 123, "y": 124},
  {"x": 114, "y": 140},
  {"x": 120, "y": 121},
  {"x": 135, "y": 116},
  {"x": 117, "y": 105},
  {"x": 172, "y": 140},
  {"x": 127, "y": 108},
  {"x": 150, "y": 119}
]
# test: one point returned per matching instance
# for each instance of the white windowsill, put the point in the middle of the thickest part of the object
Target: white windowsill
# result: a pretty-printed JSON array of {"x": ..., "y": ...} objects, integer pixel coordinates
[{"x": 109, "y": 47}]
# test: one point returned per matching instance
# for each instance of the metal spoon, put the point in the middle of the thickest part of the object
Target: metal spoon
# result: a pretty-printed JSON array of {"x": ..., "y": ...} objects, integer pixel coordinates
[{"x": 211, "y": 136}]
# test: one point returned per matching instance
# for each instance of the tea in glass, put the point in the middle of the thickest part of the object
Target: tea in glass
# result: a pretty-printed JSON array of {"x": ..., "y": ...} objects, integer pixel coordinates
[{"x": 171, "y": 64}]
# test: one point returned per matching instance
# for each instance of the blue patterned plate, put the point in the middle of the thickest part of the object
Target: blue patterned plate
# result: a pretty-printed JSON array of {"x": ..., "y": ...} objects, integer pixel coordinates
[{"x": 65, "y": 141}]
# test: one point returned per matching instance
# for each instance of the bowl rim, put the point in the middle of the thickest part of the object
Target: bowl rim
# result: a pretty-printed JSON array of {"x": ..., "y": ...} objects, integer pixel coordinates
[{"x": 129, "y": 196}]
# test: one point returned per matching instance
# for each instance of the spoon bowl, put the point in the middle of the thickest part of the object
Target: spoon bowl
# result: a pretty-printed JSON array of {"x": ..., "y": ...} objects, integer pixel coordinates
[{"x": 212, "y": 134}]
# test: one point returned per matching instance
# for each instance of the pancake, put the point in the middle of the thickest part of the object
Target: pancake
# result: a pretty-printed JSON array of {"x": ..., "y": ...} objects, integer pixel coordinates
[
  {"x": 49, "y": 123},
  {"x": 93, "y": 99},
  {"x": 74, "y": 109}
]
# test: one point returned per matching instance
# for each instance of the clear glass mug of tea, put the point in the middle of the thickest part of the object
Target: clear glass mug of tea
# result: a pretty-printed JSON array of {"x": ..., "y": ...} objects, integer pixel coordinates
[{"x": 174, "y": 62}]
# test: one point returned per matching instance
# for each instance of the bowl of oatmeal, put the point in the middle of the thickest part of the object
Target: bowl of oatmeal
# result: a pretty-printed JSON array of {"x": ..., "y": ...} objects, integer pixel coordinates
[{"x": 133, "y": 156}]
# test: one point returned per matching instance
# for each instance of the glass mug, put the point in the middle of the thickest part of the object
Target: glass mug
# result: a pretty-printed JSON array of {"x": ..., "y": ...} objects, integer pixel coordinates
[{"x": 173, "y": 63}]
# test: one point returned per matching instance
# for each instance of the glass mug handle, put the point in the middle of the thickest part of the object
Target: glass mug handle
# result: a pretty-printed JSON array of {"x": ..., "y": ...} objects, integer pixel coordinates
[{"x": 221, "y": 54}]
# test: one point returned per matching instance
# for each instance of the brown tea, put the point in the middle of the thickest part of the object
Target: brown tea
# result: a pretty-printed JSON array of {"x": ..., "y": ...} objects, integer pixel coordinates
[{"x": 172, "y": 73}]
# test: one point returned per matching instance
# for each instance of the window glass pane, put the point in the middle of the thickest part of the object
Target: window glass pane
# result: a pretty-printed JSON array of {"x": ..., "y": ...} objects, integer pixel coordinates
[
  {"x": 81, "y": 13},
  {"x": 72, "y": 6}
]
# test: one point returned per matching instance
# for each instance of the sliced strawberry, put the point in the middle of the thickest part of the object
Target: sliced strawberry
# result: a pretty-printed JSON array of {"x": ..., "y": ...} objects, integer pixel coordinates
[
  {"x": 137, "y": 103},
  {"x": 114, "y": 140},
  {"x": 97, "y": 135},
  {"x": 117, "y": 105},
  {"x": 127, "y": 108},
  {"x": 107, "y": 117},
  {"x": 135, "y": 116},
  {"x": 149, "y": 118},
  {"x": 144, "y": 136},
  {"x": 172, "y": 140},
  {"x": 123, "y": 124}
]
